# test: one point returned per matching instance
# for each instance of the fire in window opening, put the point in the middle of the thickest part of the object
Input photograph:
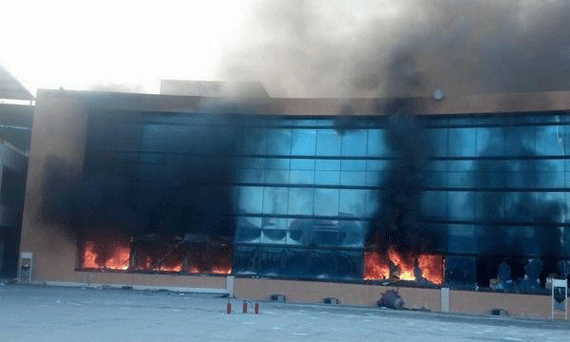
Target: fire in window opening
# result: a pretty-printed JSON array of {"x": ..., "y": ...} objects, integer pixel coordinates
[
  {"x": 397, "y": 267},
  {"x": 157, "y": 255}
]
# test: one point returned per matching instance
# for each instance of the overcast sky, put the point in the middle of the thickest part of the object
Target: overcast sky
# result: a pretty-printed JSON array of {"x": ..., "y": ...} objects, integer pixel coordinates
[{"x": 83, "y": 44}]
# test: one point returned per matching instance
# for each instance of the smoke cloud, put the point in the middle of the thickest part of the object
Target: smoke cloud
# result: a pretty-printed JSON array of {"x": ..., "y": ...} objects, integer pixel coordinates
[{"x": 306, "y": 48}]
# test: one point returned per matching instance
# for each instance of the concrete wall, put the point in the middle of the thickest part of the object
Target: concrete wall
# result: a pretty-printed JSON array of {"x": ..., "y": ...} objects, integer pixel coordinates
[{"x": 468, "y": 302}]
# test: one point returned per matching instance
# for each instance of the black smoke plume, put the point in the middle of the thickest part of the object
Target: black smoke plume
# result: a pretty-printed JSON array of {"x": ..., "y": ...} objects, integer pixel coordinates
[
  {"x": 398, "y": 223},
  {"x": 185, "y": 193},
  {"x": 535, "y": 210},
  {"x": 306, "y": 48}
]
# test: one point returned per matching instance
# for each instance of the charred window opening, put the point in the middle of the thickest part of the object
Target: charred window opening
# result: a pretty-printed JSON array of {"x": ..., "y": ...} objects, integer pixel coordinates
[{"x": 147, "y": 255}]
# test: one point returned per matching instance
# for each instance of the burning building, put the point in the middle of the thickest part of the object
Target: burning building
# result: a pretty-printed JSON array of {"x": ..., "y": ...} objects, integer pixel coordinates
[{"x": 286, "y": 196}]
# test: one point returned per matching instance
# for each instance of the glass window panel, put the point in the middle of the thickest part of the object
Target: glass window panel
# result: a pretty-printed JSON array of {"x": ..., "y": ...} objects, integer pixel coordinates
[
  {"x": 490, "y": 142},
  {"x": 250, "y": 199},
  {"x": 352, "y": 203},
  {"x": 377, "y": 143},
  {"x": 300, "y": 201},
  {"x": 437, "y": 165},
  {"x": 327, "y": 165},
  {"x": 460, "y": 165},
  {"x": 351, "y": 233},
  {"x": 460, "y": 179},
  {"x": 549, "y": 206},
  {"x": 278, "y": 141},
  {"x": 353, "y": 165},
  {"x": 462, "y": 142},
  {"x": 433, "y": 205},
  {"x": 353, "y": 178},
  {"x": 519, "y": 140},
  {"x": 254, "y": 141},
  {"x": 549, "y": 165},
  {"x": 304, "y": 142},
  {"x": 549, "y": 179},
  {"x": 277, "y": 163},
  {"x": 372, "y": 202},
  {"x": 252, "y": 163},
  {"x": 376, "y": 164},
  {"x": 374, "y": 178},
  {"x": 354, "y": 143},
  {"x": 276, "y": 176},
  {"x": 460, "y": 205},
  {"x": 248, "y": 229},
  {"x": 302, "y": 177},
  {"x": 461, "y": 239},
  {"x": 275, "y": 200},
  {"x": 326, "y": 202},
  {"x": 489, "y": 205},
  {"x": 327, "y": 177},
  {"x": 548, "y": 141},
  {"x": 328, "y": 142},
  {"x": 435, "y": 179},
  {"x": 519, "y": 206},
  {"x": 438, "y": 139},
  {"x": 302, "y": 164},
  {"x": 300, "y": 231},
  {"x": 274, "y": 230},
  {"x": 251, "y": 175}
]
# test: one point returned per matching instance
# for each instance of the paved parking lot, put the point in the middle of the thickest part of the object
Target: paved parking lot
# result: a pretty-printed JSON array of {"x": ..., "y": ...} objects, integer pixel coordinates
[{"x": 39, "y": 313}]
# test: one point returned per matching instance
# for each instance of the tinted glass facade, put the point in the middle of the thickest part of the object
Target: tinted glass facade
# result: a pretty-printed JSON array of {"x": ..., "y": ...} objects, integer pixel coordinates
[{"x": 298, "y": 195}]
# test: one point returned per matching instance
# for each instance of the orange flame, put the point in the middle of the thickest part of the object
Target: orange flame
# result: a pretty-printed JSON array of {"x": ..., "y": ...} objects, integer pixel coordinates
[
  {"x": 221, "y": 270},
  {"x": 119, "y": 259},
  {"x": 377, "y": 268}
]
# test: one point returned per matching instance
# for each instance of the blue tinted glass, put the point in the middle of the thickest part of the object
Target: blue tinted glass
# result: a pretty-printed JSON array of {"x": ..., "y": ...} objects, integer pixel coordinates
[
  {"x": 550, "y": 179},
  {"x": 433, "y": 205},
  {"x": 276, "y": 176},
  {"x": 462, "y": 141},
  {"x": 520, "y": 141},
  {"x": 277, "y": 163},
  {"x": 327, "y": 177},
  {"x": 304, "y": 142},
  {"x": 376, "y": 164},
  {"x": 326, "y": 202},
  {"x": 300, "y": 201},
  {"x": 353, "y": 178},
  {"x": 438, "y": 139},
  {"x": 250, "y": 199},
  {"x": 372, "y": 202},
  {"x": 488, "y": 205},
  {"x": 460, "y": 179},
  {"x": 255, "y": 141},
  {"x": 328, "y": 142},
  {"x": 302, "y": 164},
  {"x": 278, "y": 141},
  {"x": 275, "y": 200},
  {"x": 354, "y": 143},
  {"x": 377, "y": 143},
  {"x": 462, "y": 239},
  {"x": 490, "y": 142},
  {"x": 549, "y": 141},
  {"x": 327, "y": 165},
  {"x": 353, "y": 165},
  {"x": 519, "y": 206},
  {"x": 251, "y": 176},
  {"x": 352, "y": 203},
  {"x": 302, "y": 177},
  {"x": 374, "y": 178},
  {"x": 460, "y": 205}
]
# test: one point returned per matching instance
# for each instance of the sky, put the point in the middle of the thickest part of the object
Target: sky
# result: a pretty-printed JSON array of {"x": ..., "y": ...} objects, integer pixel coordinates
[{"x": 118, "y": 43}]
